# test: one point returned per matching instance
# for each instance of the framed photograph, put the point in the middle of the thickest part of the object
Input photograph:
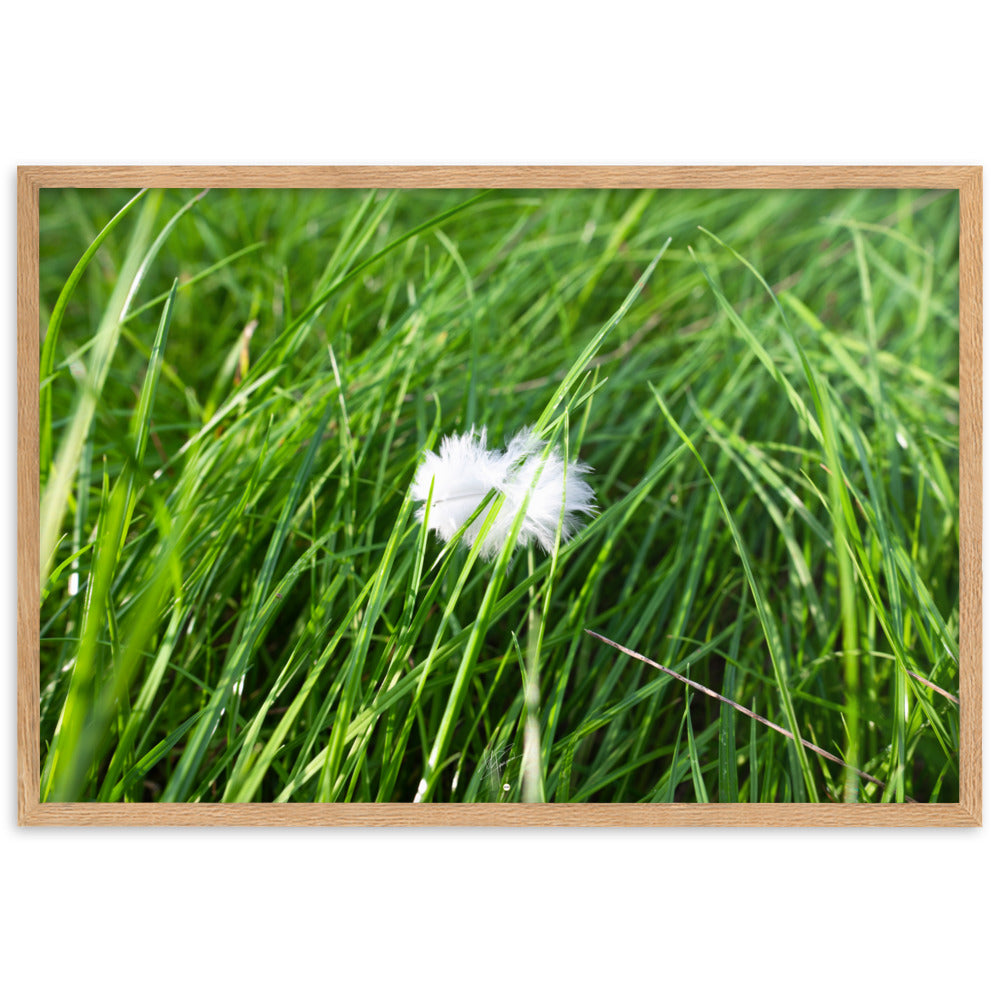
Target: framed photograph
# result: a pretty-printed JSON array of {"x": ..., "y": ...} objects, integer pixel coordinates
[{"x": 538, "y": 496}]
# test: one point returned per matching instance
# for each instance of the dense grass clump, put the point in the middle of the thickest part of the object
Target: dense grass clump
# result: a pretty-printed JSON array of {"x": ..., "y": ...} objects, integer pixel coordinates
[{"x": 239, "y": 604}]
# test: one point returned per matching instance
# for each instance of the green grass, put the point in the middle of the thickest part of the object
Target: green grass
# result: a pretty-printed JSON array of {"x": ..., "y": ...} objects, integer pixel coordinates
[{"x": 238, "y": 603}]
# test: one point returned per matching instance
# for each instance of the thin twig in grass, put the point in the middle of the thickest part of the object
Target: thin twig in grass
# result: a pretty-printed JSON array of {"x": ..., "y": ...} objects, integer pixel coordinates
[
  {"x": 932, "y": 686},
  {"x": 739, "y": 708}
]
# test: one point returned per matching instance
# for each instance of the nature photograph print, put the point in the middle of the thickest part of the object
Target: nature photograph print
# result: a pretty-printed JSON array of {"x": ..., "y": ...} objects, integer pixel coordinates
[{"x": 499, "y": 496}]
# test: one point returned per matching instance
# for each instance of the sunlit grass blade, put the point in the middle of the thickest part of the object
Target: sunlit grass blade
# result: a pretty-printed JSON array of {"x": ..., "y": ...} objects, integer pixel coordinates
[
  {"x": 48, "y": 352},
  {"x": 56, "y": 489}
]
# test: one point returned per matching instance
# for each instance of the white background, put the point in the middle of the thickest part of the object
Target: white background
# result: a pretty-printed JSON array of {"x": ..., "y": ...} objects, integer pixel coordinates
[{"x": 834, "y": 913}]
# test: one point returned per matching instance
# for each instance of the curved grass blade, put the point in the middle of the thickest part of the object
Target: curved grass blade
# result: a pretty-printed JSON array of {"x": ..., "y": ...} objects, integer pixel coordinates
[
  {"x": 142, "y": 250},
  {"x": 48, "y": 353}
]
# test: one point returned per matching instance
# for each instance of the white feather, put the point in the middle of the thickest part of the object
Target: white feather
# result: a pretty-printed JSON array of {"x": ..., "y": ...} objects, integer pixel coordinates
[{"x": 465, "y": 470}]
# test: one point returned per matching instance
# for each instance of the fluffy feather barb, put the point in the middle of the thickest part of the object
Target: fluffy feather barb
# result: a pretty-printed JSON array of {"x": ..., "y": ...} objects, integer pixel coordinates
[{"x": 464, "y": 471}]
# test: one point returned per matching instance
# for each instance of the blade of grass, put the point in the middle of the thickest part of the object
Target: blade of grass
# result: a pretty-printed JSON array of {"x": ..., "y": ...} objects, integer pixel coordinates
[
  {"x": 767, "y": 619},
  {"x": 579, "y": 366},
  {"x": 845, "y": 525}
]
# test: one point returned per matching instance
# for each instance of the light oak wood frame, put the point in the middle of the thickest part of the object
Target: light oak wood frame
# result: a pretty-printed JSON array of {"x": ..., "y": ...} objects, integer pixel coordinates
[{"x": 966, "y": 812}]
